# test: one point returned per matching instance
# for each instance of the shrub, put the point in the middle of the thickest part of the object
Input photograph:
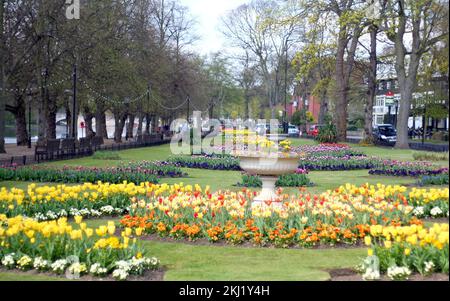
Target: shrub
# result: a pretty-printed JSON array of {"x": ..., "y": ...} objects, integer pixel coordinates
[
  {"x": 430, "y": 156},
  {"x": 328, "y": 133},
  {"x": 291, "y": 180}
]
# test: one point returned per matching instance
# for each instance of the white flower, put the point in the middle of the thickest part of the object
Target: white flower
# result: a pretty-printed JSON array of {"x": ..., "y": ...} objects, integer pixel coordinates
[
  {"x": 120, "y": 274},
  {"x": 59, "y": 266},
  {"x": 398, "y": 273},
  {"x": 419, "y": 211},
  {"x": 40, "y": 264},
  {"x": 95, "y": 213},
  {"x": 8, "y": 260},
  {"x": 107, "y": 209},
  {"x": 97, "y": 270},
  {"x": 429, "y": 267},
  {"x": 123, "y": 265},
  {"x": 151, "y": 262},
  {"x": 77, "y": 268},
  {"x": 436, "y": 211},
  {"x": 371, "y": 274}
]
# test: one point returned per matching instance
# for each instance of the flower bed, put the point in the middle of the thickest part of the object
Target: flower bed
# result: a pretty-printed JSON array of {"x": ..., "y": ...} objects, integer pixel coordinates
[
  {"x": 299, "y": 179},
  {"x": 407, "y": 169},
  {"x": 400, "y": 251},
  {"x": 340, "y": 216},
  {"x": 333, "y": 150},
  {"x": 49, "y": 203},
  {"x": 60, "y": 248},
  {"x": 131, "y": 172},
  {"x": 331, "y": 163},
  {"x": 214, "y": 162},
  {"x": 430, "y": 203},
  {"x": 434, "y": 180}
]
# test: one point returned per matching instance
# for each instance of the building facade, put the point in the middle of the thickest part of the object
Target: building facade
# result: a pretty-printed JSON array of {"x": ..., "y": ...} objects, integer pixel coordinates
[{"x": 387, "y": 105}]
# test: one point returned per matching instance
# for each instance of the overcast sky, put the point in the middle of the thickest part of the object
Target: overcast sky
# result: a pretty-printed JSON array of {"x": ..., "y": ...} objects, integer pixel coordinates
[{"x": 207, "y": 14}]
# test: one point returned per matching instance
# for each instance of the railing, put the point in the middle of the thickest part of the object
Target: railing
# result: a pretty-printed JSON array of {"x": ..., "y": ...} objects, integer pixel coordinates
[{"x": 30, "y": 159}]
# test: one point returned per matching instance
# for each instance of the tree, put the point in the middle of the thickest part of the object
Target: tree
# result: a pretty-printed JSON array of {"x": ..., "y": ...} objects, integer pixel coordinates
[
  {"x": 256, "y": 29},
  {"x": 421, "y": 19},
  {"x": 302, "y": 118},
  {"x": 2, "y": 77}
]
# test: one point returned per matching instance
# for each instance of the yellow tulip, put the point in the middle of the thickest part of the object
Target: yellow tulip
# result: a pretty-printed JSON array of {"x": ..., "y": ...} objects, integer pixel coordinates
[{"x": 78, "y": 219}]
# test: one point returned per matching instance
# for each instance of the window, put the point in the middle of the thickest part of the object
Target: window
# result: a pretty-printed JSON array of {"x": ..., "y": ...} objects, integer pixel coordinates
[
  {"x": 380, "y": 119},
  {"x": 379, "y": 101},
  {"x": 389, "y": 85}
]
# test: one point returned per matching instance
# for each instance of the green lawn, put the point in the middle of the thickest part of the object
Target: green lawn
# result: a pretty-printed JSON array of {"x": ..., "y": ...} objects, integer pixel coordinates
[
  {"x": 189, "y": 262},
  {"x": 216, "y": 263}
]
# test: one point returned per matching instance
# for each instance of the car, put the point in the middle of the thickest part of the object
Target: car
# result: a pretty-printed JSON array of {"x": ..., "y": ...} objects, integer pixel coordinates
[
  {"x": 313, "y": 130},
  {"x": 293, "y": 131},
  {"x": 385, "y": 134}
]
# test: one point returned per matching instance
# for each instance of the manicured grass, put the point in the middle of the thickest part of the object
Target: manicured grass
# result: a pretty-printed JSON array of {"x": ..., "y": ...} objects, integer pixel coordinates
[
  {"x": 226, "y": 263},
  {"x": 188, "y": 262},
  {"x": 11, "y": 276}
]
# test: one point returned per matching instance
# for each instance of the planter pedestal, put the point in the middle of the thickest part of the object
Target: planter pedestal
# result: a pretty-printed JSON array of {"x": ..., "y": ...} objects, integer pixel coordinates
[
  {"x": 268, "y": 169},
  {"x": 268, "y": 190}
]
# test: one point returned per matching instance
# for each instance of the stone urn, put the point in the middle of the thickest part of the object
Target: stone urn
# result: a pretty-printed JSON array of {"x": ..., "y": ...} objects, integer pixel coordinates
[{"x": 268, "y": 168}]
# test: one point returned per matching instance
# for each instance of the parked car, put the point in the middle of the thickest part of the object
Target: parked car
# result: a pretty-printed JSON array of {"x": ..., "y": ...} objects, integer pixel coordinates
[
  {"x": 293, "y": 131},
  {"x": 313, "y": 130},
  {"x": 385, "y": 133}
]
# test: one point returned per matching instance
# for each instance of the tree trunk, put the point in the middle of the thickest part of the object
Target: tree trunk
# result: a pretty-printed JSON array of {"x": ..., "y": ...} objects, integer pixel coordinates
[
  {"x": 100, "y": 122},
  {"x": 323, "y": 107},
  {"x": 88, "y": 117},
  {"x": 372, "y": 87},
  {"x": 403, "y": 117},
  {"x": 341, "y": 93},
  {"x": 51, "y": 116},
  {"x": 147, "y": 124},
  {"x": 140, "y": 124},
  {"x": 21, "y": 122},
  {"x": 130, "y": 127},
  {"x": 119, "y": 124}
]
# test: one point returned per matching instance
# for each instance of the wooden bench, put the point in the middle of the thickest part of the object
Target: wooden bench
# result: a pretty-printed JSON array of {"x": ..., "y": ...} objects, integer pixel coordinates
[
  {"x": 85, "y": 146},
  {"x": 96, "y": 142},
  {"x": 68, "y": 147}
]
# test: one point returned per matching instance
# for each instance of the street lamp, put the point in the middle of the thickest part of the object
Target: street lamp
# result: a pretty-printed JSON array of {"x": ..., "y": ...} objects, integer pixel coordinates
[{"x": 29, "y": 121}]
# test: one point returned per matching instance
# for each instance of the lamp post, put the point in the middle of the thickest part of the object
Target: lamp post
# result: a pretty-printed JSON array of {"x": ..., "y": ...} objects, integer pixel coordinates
[
  {"x": 285, "y": 121},
  {"x": 389, "y": 101},
  {"x": 74, "y": 117},
  {"x": 29, "y": 122}
]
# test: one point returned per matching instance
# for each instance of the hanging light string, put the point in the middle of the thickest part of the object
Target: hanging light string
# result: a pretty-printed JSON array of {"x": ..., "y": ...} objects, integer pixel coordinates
[
  {"x": 113, "y": 101},
  {"x": 173, "y": 108},
  {"x": 36, "y": 89}
]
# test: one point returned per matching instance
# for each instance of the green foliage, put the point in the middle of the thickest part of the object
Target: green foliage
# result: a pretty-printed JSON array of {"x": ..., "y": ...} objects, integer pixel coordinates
[
  {"x": 291, "y": 180},
  {"x": 423, "y": 156},
  {"x": 302, "y": 117},
  {"x": 327, "y": 133}
]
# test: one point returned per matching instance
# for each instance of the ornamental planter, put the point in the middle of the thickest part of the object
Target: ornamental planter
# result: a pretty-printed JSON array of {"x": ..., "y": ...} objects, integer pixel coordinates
[{"x": 268, "y": 168}]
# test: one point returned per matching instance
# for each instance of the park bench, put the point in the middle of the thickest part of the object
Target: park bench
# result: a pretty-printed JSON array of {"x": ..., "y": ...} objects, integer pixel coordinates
[
  {"x": 68, "y": 147},
  {"x": 85, "y": 146},
  {"x": 47, "y": 149},
  {"x": 96, "y": 142}
]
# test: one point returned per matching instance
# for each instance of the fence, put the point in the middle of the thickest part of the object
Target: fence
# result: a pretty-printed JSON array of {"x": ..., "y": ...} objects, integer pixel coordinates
[{"x": 30, "y": 159}]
